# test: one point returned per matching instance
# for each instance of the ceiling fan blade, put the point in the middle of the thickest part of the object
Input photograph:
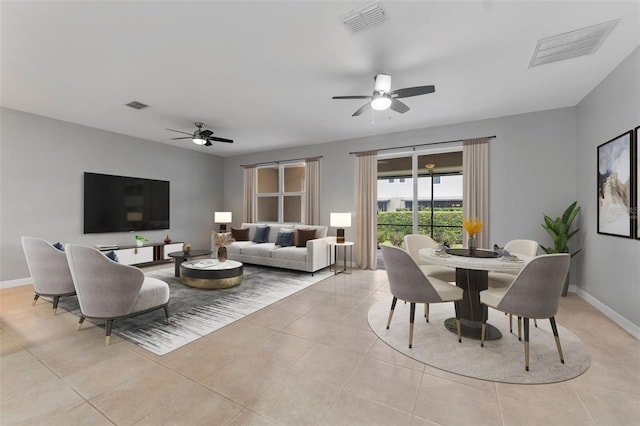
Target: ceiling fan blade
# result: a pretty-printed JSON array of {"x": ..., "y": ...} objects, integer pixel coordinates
[
  {"x": 179, "y": 131},
  {"x": 187, "y": 137},
  {"x": 352, "y": 97},
  {"x": 213, "y": 138},
  {"x": 206, "y": 133},
  {"x": 363, "y": 108},
  {"x": 398, "y": 106},
  {"x": 413, "y": 91}
]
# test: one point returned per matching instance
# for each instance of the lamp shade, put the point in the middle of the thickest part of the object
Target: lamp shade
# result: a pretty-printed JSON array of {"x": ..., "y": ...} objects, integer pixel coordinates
[
  {"x": 222, "y": 217},
  {"x": 340, "y": 220}
]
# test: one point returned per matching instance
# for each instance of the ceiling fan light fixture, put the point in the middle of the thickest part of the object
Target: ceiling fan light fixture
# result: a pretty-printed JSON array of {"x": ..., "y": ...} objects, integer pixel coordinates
[
  {"x": 381, "y": 102},
  {"x": 198, "y": 139}
]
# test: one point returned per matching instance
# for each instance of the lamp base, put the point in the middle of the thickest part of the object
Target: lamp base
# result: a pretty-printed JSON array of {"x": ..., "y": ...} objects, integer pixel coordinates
[
  {"x": 340, "y": 235},
  {"x": 223, "y": 228}
]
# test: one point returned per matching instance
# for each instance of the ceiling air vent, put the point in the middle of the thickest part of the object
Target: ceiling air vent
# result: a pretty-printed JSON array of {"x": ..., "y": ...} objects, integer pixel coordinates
[
  {"x": 136, "y": 105},
  {"x": 572, "y": 44},
  {"x": 364, "y": 18}
]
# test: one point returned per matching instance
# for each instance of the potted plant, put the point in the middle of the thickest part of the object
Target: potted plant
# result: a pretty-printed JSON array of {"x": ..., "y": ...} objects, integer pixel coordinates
[
  {"x": 140, "y": 240},
  {"x": 560, "y": 231}
]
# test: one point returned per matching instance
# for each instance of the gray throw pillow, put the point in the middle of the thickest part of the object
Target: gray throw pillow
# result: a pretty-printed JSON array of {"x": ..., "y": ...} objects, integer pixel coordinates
[
  {"x": 59, "y": 246},
  {"x": 112, "y": 255},
  {"x": 284, "y": 239},
  {"x": 262, "y": 234}
]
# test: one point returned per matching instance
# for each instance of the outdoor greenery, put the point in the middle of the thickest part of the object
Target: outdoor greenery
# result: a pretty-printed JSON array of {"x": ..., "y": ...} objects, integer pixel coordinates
[{"x": 393, "y": 226}]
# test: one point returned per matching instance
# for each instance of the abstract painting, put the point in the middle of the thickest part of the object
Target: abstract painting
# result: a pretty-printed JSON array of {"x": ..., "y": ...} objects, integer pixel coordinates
[{"x": 614, "y": 186}]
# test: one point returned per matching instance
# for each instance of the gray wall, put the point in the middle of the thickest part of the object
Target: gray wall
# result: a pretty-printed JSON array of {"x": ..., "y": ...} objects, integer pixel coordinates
[
  {"x": 610, "y": 266},
  {"x": 41, "y": 168},
  {"x": 532, "y": 169}
]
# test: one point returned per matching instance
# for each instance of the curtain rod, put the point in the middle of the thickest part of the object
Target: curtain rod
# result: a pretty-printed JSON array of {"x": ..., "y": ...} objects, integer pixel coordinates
[
  {"x": 422, "y": 144},
  {"x": 281, "y": 161}
]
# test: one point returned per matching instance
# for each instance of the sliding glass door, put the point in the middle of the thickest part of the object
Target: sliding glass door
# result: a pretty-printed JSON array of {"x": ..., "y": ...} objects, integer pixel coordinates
[{"x": 420, "y": 193}]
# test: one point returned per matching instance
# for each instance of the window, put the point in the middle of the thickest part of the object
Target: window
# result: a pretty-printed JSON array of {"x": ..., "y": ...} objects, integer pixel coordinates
[{"x": 280, "y": 195}]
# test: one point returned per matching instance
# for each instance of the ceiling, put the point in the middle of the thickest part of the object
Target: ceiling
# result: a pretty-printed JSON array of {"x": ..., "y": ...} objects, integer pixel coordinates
[{"x": 263, "y": 73}]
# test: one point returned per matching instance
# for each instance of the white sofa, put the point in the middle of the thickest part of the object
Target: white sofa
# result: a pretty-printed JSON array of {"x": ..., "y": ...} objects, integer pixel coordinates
[{"x": 313, "y": 257}]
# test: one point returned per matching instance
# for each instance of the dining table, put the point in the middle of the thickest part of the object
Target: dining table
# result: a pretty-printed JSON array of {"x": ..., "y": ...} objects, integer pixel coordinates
[{"x": 472, "y": 276}]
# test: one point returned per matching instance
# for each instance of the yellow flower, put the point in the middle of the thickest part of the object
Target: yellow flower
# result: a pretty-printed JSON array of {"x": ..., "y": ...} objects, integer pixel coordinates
[{"x": 472, "y": 226}]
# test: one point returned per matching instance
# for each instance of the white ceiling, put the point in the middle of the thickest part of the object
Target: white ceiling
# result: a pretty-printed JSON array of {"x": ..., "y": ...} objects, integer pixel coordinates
[{"x": 263, "y": 73}]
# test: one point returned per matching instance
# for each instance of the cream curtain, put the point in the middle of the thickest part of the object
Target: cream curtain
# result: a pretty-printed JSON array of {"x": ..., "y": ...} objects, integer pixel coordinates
[
  {"x": 475, "y": 170},
  {"x": 312, "y": 191},
  {"x": 366, "y": 210},
  {"x": 250, "y": 212}
]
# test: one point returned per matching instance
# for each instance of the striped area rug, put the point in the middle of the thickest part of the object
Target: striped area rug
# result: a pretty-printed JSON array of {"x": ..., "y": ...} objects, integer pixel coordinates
[{"x": 196, "y": 312}]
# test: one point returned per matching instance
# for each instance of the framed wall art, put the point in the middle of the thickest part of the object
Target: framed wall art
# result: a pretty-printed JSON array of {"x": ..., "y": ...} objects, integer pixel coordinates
[{"x": 615, "y": 199}]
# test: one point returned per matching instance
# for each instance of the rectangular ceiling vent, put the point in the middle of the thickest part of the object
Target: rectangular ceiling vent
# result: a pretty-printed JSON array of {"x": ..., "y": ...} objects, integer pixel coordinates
[
  {"x": 580, "y": 42},
  {"x": 364, "y": 18},
  {"x": 136, "y": 105}
]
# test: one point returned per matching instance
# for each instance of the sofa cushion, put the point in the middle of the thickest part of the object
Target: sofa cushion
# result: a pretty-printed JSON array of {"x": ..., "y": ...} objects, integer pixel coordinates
[
  {"x": 262, "y": 250},
  {"x": 240, "y": 234},
  {"x": 297, "y": 254},
  {"x": 238, "y": 246},
  {"x": 262, "y": 234},
  {"x": 305, "y": 235},
  {"x": 285, "y": 238}
]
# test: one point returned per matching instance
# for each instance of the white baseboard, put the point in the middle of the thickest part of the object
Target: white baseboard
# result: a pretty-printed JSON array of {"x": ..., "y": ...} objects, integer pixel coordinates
[
  {"x": 16, "y": 283},
  {"x": 626, "y": 325}
]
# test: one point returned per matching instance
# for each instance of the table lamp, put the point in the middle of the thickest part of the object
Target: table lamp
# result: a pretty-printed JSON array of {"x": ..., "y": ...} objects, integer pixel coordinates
[
  {"x": 222, "y": 218},
  {"x": 340, "y": 221}
]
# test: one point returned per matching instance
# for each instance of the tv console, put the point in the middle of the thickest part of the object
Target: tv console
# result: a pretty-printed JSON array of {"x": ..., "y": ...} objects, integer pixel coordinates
[{"x": 147, "y": 254}]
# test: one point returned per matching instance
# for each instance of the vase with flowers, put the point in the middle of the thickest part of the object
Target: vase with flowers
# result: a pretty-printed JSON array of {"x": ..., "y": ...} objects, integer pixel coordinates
[
  {"x": 472, "y": 226},
  {"x": 222, "y": 239}
]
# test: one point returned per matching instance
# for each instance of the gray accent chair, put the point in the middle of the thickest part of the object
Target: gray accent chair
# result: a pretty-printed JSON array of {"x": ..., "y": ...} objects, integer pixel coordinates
[
  {"x": 109, "y": 291},
  {"x": 534, "y": 293},
  {"x": 49, "y": 270},
  {"x": 409, "y": 282},
  {"x": 504, "y": 279},
  {"x": 414, "y": 243}
]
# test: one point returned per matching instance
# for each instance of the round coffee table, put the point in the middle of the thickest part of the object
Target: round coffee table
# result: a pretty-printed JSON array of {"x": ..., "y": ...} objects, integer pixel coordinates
[
  {"x": 181, "y": 256},
  {"x": 211, "y": 274}
]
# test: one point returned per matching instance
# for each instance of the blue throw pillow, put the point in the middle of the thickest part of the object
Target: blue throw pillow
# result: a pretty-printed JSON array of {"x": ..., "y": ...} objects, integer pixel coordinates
[
  {"x": 112, "y": 255},
  {"x": 59, "y": 246},
  {"x": 284, "y": 239},
  {"x": 262, "y": 234}
]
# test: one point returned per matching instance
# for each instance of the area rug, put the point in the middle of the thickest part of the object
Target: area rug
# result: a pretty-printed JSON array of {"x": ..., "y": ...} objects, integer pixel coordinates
[
  {"x": 196, "y": 312},
  {"x": 500, "y": 360}
]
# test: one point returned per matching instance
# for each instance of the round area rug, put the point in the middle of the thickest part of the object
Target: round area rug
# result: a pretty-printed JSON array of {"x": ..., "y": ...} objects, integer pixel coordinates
[{"x": 500, "y": 360}]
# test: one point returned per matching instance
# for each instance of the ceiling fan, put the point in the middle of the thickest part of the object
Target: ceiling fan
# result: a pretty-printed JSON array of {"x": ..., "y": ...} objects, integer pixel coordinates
[
  {"x": 201, "y": 137},
  {"x": 383, "y": 98}
]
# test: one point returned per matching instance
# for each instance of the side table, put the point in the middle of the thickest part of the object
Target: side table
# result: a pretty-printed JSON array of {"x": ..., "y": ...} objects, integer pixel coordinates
[
  {"x": 334, "y": 261},
  {"x": 181, "y": 256}
]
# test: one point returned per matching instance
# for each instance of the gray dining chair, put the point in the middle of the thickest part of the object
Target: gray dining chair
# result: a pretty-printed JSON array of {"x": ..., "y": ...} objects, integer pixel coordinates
[
  {"x": 533, "y": 294},
  {"x": 49, "y": 270},
  {"x": 504, "y": 279},
  {"x": 413, "y": 243},
  {"x": 409, "y": 283},
  {"x": 110, "y": 291}
]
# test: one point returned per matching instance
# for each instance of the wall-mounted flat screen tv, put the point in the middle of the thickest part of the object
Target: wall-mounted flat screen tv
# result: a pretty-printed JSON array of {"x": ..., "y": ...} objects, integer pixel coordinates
[{"x": 122, "y": 204}]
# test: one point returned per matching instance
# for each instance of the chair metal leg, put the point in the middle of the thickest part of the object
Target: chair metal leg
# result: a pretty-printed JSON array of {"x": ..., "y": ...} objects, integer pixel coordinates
[
  {"x": 393, "y": 306},
  {"x": 80, "y": 323},
  {"x": 412, "y": 317},
  {"x": 166, "y": 314},
  {"x": 483, "y": 330},
  {"x": 526, "y": 343},
  {"x": 426, "y": 311},
  {"x": 456, "y": 305},
  {"x": 107, "y": 337},
  {"x": 520, "y": 328},
  {"x": 510, "y": 323},
  {"x": 35, "y": 299},
  {"x": 56, "y": 299},
  {"x": 552, "y": 320},
  {"x": 535, "y": 322}
]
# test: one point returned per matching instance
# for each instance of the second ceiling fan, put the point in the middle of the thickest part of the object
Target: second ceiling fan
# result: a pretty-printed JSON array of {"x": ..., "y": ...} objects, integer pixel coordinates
[{"x": 383, "y": 98}]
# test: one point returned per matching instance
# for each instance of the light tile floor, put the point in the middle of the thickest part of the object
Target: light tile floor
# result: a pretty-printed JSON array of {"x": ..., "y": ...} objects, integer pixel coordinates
[{"x": 308, "y": 359}]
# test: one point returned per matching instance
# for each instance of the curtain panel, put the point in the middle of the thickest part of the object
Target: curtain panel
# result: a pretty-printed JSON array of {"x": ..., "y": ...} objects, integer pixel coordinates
[
  {"x": 250, "y": 211},
  {"x": 312, "y": 191},
  {"x": 475, "y": 181},
  {"x": 366, "y": 210}
]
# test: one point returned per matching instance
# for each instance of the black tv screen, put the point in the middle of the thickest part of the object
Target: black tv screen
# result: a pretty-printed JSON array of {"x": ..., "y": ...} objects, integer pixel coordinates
[{"x": 122, "y": 204}]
